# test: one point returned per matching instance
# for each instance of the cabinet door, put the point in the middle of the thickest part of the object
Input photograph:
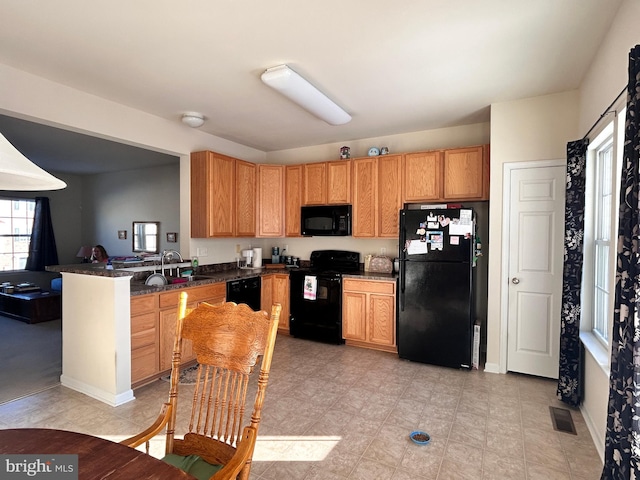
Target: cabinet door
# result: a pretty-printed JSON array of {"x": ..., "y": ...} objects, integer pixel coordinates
[
  {"x": 270, "y": 201},
  {"x": 354, "y": 316},
  {"x": 422, "y": 176},
  {"x": 339, "y": 182},
  {"x": 266, "y": 292},
  {"x": 315, "y": 183},
  {"x": 389, "y": 195},
  {"x": 364, "y": 197},
  {"x": 463, "y": 173},
  {"x": 293, "y": 199},
  {"x": 281, "y": 296},
  {"x": 212, "y": 195},
  {"x": 168, "y": 319},
  {"x": 245, "y": 199},
  {"x": 382, "y": 312}
]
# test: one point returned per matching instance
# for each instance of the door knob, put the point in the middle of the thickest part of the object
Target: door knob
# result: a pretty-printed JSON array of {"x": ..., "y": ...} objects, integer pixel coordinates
[{"x": 515, "y": 280}]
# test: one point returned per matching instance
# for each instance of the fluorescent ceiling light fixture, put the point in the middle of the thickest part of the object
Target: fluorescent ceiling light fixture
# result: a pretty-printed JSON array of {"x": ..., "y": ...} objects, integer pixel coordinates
[
  {"x": 193, "y": 119},
  {"x": 19, "y": 173},
  {"x": 297, "y": 89}
]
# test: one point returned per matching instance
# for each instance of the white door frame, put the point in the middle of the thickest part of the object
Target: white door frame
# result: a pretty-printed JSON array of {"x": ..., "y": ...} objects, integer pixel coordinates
[{"x": 504, "y": 270}]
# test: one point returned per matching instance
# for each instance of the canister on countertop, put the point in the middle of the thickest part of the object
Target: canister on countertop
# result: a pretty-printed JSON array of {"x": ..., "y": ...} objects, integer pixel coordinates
[{"x": 275, "y": 255}]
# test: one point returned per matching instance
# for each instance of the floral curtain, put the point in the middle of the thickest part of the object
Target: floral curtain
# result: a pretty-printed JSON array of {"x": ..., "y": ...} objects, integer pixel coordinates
[
  {"x": 622, "y": 440},
  {"x": 42, "y": 249},
  {"x": 569, "y": 381}
]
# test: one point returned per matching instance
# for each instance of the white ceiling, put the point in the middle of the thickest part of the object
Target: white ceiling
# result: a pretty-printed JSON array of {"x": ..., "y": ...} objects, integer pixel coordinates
[{"x": 395, "y": 67}]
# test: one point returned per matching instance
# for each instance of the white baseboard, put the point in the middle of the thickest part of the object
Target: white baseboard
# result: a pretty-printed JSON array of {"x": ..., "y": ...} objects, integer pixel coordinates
[
  {"x": 492, "y": 368},
  {"x": 598, "y": 442},
  {"x": 107, "y": 397}
]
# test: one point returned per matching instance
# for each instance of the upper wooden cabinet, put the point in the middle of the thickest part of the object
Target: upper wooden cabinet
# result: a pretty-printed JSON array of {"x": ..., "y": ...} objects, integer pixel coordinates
[
  {"x": 465, "y": 174},
  {"x": 446, "y": 175},
  {"x": 339, "y": 182},
  {"x": 376, "y": 196},
  {"x": 212, "y": 195},
  {"x": 365, "y": 197},
  {"x": 421, "y": 176},
  {"x": 271, "y": 195},
  {"x": 293, "y": 199},
  {"x": 245, "y": 193},
  {"x": 327, "y": 183},
  {"x": 315, "y": 184}
]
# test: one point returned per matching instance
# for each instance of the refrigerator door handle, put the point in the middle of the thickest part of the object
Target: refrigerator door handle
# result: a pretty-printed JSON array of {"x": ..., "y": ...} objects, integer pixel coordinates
[{"x": 402, "y": 283}]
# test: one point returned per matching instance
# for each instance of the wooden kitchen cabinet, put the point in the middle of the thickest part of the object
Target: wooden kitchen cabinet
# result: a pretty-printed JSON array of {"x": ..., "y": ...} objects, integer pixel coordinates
[
  {"x": 168, "y": 315},
  {"x": 369, "y": 313},
  {"x": 377, "y": 196},
  {"x": 422, "y": 176},
  {"x": 245, "y": 194},
  {"x": 365, "y": 181},
  {"x": 144, "y": 337},
  {"x": 271, "y": 201},
  {"x": 327, "y": 183},
  {"x": 275, "y": 289},
  {"x": 339, "y": 182},
  {"x": 465, "y": 174},
  {"x": 212, "y": 195},
  {"x": 315, "y": 183},
  {"x": 293, "y": 199},
  {"x": 389, "y": 172}
]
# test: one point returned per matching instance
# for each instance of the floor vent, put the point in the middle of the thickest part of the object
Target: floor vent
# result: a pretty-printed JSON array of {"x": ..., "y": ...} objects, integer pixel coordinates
[{"x": 562, "y": 421}]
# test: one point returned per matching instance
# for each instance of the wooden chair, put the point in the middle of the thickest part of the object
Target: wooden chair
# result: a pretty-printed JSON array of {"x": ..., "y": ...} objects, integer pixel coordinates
[{"x": 228, "y": 341}]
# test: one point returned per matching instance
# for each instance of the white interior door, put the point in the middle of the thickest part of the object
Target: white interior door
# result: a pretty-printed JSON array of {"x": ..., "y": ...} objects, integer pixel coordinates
[{"x": 536, "y": 243}]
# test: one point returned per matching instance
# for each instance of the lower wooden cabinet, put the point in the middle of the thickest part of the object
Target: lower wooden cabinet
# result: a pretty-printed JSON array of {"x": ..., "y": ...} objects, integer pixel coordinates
[
  {"x": 144, "y": 337},
  {"x": 369, "y": 313},
  {"x": 275, "y": 289},
  {"x": 153, "y": 326},
  {"x": 214, "y": 293}
]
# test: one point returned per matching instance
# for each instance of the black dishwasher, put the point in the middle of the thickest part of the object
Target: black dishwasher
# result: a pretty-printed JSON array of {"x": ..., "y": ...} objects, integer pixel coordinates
[{"x": 245, "y": 290}]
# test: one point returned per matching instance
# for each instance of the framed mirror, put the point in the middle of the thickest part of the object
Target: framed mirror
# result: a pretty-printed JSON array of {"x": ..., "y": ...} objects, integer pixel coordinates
[{"x": 146, "y": 237}]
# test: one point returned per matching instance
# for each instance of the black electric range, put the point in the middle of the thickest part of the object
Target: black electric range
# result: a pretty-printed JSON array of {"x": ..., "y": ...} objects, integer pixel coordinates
[{"x": 316, "y": 295}]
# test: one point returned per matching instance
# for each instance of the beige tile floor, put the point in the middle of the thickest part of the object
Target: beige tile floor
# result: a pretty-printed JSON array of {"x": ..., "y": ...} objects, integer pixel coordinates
[{"x": 340, "y": 412}]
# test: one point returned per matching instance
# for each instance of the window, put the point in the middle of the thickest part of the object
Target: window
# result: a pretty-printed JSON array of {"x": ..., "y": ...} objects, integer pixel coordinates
[
  {"x": 604, "y": 160},
  {"x": 16, "y": 221}
]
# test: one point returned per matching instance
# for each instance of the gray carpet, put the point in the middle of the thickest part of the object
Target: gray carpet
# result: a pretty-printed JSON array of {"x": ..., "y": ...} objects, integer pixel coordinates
[{"x": 30, "y": 357}]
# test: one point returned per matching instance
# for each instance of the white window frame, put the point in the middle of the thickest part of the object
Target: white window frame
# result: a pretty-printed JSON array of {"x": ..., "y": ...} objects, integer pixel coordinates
[
  {"x": 18, "y": 259},
  {"x": 596, "y": 333}
]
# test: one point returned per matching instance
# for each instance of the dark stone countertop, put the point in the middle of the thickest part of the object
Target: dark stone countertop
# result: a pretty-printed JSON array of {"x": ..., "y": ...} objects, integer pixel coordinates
[{"x": 205, "y": 275}]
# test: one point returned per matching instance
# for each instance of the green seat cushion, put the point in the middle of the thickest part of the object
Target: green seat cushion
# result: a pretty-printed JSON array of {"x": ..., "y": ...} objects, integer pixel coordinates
[{"x": 193, "y": 465}]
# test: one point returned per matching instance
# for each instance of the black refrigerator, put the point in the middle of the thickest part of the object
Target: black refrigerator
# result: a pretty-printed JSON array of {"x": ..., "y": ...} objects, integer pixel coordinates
[{"x": 435, "y": 301}]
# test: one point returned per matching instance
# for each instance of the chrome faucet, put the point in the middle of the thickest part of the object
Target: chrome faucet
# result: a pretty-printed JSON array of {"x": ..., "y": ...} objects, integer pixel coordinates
[{"x": 169, "y": 254}]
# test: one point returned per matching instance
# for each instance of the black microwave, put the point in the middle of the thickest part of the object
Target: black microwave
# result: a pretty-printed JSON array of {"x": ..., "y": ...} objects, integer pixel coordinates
[{"x": 326, "y": 220}]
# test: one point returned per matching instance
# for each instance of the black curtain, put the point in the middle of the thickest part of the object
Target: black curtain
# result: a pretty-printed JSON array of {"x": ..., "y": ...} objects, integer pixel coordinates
[
  {"x": 622, "y": 438},
  {"x": 569, "y": 388},
  {"x": 42, "y": 249}
]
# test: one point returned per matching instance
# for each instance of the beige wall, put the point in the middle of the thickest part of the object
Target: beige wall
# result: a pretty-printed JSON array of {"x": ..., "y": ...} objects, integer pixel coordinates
[
  {"x": 526, "y": 130},
  {"x": 604, "y": 80}
]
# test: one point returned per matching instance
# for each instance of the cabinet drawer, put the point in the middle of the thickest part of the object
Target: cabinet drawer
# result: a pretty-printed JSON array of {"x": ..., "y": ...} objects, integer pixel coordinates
[
  {"x": 144, "y": 362},
  {"x": 143, "y": 303},
  {"x": 196, "y": 294},
  {"x": 141, "y": 323},
  {"x": 142, "y": 339},
  {"x": 369, "y": 286}
]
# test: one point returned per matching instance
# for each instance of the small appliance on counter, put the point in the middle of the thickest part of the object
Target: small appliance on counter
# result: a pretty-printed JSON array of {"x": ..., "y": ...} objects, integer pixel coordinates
[{"x": 378, "y": 264}]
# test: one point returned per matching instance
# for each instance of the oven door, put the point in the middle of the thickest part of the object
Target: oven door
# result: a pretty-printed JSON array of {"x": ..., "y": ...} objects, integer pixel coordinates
[{"x": 316, "y": 306}]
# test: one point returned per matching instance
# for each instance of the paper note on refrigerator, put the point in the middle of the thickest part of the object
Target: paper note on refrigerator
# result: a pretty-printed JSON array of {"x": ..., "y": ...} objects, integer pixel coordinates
[
  {"x": 417, "y": 247},
  {"x": 462, "y": 225}
]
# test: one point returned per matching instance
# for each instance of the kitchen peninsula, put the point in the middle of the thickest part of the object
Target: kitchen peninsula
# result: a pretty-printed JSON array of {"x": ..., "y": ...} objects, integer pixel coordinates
[{"x": 96, "y": 327}]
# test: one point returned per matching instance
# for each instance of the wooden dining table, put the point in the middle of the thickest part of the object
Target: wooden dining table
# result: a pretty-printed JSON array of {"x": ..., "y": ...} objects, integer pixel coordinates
[{"x": 97, "y": 458}]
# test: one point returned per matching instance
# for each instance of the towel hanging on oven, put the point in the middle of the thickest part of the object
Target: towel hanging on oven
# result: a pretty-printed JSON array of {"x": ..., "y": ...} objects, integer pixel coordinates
[{"x": 310, "y": 287}]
